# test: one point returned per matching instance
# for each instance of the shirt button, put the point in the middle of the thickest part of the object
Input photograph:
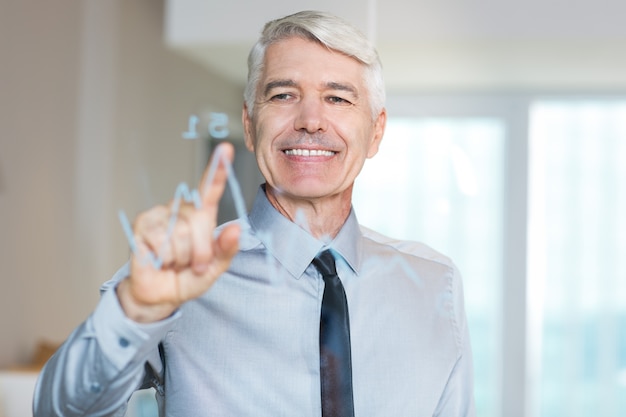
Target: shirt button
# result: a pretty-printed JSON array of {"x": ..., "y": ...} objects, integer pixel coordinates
[
  {"x": 124, "y": 342},
  {"x": 95, "y": 388}
]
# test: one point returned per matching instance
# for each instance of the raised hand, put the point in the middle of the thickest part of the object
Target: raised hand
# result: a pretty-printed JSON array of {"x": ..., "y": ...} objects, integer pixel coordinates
[{"x": 192, "y": 256}]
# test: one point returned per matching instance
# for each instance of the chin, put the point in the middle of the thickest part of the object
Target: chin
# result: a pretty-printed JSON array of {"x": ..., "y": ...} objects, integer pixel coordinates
[{"x": 310, "y": 189}]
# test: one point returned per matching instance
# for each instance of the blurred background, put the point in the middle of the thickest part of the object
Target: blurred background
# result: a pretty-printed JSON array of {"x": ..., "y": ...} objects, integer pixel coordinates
[{"x": 505, "y": 149}]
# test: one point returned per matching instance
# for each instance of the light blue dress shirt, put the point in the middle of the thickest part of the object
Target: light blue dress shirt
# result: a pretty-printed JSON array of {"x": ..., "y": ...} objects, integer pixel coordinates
[{"x": 249, "y": 345}]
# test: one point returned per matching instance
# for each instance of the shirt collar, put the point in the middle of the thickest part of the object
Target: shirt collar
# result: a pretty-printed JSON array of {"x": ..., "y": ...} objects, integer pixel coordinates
[
  {"x": 292, "y": 245},
  {"x": 348, "y": 242}
]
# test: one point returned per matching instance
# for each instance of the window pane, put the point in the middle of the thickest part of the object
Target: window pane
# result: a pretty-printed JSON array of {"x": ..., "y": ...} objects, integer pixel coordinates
[
  {"x": 440, "y": 181},
  {"x": 577, "y": 267}
]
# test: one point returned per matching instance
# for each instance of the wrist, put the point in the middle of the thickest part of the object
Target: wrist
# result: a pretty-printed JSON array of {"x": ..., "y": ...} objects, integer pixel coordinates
[{"x": 138, "y": 311}]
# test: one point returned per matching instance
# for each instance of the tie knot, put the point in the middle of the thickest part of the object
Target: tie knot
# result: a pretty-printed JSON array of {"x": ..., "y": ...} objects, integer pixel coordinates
[{"x": 325, "y": 263}]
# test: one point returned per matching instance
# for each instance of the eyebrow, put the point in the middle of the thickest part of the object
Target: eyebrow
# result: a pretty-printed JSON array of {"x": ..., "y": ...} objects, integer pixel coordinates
[
  {"x": 349, "y": 88},
  {"x": 278, "y": 83}
]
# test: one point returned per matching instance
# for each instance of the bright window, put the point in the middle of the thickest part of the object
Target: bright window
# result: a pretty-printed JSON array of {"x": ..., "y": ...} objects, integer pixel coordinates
[{"x": 577, "y": 258}]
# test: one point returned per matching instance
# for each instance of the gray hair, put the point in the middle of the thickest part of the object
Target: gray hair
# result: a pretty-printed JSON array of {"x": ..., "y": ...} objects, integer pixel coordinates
[{"x": 328, "y": 30}]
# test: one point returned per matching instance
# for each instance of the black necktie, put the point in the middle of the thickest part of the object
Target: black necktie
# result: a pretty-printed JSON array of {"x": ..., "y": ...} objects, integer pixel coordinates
[{"x": 335, "y": 360}]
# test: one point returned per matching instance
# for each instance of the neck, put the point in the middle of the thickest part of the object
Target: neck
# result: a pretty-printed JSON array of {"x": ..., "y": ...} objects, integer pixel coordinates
[{"x": 323, "y": 217}]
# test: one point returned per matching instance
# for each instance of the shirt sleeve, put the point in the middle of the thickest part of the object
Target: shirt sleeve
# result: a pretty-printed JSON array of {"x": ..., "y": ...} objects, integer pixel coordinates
[
  {"x": 101, "y": 364},
  {"x": 457, "y": 399}
]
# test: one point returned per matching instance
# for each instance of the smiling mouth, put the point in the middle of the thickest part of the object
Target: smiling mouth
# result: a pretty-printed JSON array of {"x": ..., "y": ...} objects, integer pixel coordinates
[{"x": 308, "y": 152}]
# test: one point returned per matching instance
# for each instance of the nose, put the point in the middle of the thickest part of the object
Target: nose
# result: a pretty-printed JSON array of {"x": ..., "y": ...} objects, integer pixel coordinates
[{"x": 310, "y": 116}]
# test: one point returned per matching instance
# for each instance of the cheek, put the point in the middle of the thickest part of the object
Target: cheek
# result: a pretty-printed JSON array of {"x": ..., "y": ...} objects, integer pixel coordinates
[
  {"x": 262, "y": 134},
  {"x": 265, "y": 159},
  {"x": 366, "y": 144}
]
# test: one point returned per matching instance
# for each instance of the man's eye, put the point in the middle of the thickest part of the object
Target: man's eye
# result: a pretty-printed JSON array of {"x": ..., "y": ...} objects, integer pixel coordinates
[
  {"x": 281, "y": 97},
  {"x": 338, "y": 100}
]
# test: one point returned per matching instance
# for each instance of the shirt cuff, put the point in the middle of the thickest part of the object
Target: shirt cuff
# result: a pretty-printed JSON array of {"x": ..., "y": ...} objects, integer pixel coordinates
[{"x": 121, "y": 339}]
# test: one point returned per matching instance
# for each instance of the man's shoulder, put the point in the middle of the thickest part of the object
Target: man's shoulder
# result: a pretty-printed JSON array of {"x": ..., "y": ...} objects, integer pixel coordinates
[{"x": 407, "y": 247}]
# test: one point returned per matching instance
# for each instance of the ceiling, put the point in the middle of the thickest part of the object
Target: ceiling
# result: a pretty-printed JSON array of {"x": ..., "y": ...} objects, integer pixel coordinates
[{"x": 435, "y": 45}]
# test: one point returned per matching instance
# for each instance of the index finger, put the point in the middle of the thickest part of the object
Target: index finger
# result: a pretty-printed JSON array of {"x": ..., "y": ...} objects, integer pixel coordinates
[{"x": 216, "y": 174}]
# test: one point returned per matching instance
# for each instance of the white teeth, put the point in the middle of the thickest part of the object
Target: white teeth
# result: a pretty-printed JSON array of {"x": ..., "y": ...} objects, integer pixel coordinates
[{"x": 308, "y": 152}]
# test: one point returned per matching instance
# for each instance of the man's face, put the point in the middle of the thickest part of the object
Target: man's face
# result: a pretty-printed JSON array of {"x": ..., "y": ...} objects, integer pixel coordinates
[{"x": 312, "y": 126}]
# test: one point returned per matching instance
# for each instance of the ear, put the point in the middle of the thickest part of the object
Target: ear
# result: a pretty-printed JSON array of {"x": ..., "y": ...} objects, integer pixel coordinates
[
  {"x": 379, "y": 131},
  {"x": 248, "y": 132}
]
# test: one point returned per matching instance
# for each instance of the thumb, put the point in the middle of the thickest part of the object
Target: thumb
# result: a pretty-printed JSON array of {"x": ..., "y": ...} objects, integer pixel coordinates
[{"x": 227, "y": 245}]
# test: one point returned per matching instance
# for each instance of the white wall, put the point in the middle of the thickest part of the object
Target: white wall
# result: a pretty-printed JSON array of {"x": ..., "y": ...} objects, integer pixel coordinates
[
  {"x": 437, "y": 46},
  {"x": 92, "y": 107}
]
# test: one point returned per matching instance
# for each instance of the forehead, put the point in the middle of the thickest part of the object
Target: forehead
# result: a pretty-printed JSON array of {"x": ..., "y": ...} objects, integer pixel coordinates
[{"x": 301, "y": 60}]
